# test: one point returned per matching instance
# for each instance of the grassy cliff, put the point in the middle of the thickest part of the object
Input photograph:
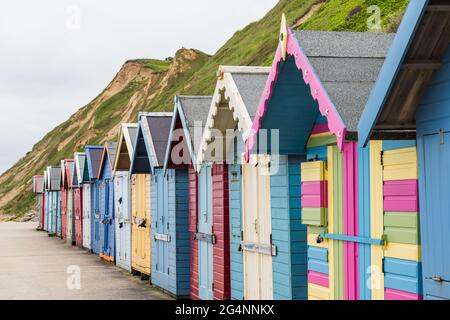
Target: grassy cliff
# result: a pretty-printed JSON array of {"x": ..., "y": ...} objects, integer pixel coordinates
[{"x": 149, "y": 84}]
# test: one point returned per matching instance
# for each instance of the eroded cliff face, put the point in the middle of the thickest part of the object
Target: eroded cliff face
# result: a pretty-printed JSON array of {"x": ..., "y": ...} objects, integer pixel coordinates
[{"x": 133, "y": 89}]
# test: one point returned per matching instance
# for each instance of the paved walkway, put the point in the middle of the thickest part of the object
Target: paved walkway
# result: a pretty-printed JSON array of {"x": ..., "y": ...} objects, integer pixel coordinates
[{"x": 34, "y": 266}]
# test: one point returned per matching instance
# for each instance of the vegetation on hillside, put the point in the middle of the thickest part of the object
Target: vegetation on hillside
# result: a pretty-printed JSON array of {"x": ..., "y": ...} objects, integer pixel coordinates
[{"x": 150, "y": 85}]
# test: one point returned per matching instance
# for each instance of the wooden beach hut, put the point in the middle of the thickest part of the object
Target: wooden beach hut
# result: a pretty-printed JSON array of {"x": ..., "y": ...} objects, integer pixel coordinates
[
  {"x": 38, "y": 190},
  {"x": 122, "y": 194},
  {"x": 235, "y": 100},
  {"x": 106, "y": 199},
  {"x": 77, "y": 184},
  {"x": 405, "y": 128},
  {"x": 54, "y": 179},
  {"x": 146, "y": 151},
  {"x": 46, "y": 200},
  {"x": 171, "y": 241},
  {"x": 92, "y": 186},
  {"x": 305, "y": 126},
  {"x": 69, "y": 166}
]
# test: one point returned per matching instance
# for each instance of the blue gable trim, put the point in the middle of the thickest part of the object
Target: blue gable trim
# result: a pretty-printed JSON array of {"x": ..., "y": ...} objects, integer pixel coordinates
[{"x": 391, "y": 68}]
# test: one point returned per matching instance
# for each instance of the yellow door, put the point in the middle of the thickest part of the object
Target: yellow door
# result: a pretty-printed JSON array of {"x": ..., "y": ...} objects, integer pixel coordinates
[
  {"x": 140, "y": 222},
  {"x": 257, "y": 226}
]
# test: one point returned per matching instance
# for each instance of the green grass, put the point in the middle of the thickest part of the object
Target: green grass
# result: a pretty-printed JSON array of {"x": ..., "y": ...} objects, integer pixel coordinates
[
  {"x": 154, "y": 64},
  {"x": 334, "y": 15}
]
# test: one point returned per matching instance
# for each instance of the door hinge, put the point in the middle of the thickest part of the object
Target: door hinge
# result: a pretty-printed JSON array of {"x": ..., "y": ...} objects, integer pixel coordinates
[
  {"x": 441, "y": 136},
  {"x": 168, "y": 271},
  {"x": 381, "y": 158},
  {"x": 212, "y": 286}
]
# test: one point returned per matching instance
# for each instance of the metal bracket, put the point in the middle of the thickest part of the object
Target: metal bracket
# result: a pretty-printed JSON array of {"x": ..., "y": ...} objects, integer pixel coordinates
[
  {"x": 162, "y": 237},
  {"x": 259, "y": 248},
  {"x": 341, "y": 237},
  {"x": 210, "y": 238}
]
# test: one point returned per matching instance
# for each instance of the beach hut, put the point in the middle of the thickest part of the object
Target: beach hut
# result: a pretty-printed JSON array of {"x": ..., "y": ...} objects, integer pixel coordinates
[
  {"x": 46, "y": 200},
  {"x": 38, "y": 189},
  {"x": 91, "y": 217},
  {"x": 77, "y": 185},
  {"x": 70, "y": 216},
  {"x": 144, "y": 157},
  {"x": 54, "y": 178},
  {"x": 122, "y": 194},
  {"x": 235, "y": 101},
  {"x": 171, "y": 240},
  {"x": 106, "y": 199},
  {"x": 64, "y": 188},
  {"x": 305, "y": 132},
  {"x": 405, "y": 128}
]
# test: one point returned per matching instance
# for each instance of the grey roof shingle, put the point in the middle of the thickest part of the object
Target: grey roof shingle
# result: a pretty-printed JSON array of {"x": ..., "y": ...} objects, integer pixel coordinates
[
  {"x": 196, "y": 110},
  {"x": 251, "y": 87},
  {"x": 159, "y": 129},
  {"x": 347, "y": 64},
  {"x": 112, "y": 146}
]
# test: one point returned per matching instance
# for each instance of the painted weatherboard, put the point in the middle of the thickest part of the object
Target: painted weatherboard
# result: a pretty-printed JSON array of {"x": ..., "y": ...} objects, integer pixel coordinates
[
  {"x": 314, "y": 96},
  {"x": 122, "y": 194},
  {"x": 433, "y": 136},
  {"x": 236, "y": 257},
  {"x": 140, "y": 223},
  {"x": 92, "y": 167},
  {"x": 106, "y": 206},
  {"x": 87, "y": 213},
  {"x": 77, "y": 179},
  {"x": 257, "y": 230},
  {"x": 204, "y": 234},
  {"x": 170, "y": 237},
  {"x": 123, "y": 219}
]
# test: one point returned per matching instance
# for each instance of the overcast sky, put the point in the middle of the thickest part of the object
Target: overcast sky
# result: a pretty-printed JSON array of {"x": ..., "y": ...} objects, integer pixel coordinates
[{"x": 57, "y": 55}]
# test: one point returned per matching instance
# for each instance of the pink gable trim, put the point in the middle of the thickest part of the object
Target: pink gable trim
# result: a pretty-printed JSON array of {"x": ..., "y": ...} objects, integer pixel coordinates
[{"x": 327, "y": 109}]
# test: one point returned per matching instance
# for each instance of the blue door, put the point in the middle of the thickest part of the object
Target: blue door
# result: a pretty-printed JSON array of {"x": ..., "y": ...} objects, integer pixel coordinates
[
  {"x": 58, "y": 213},
  {"x": 204, "y": 235},
  {"x": 98, "y": 226},
  {"x": 108, "y": 219},
  {"x": 162, "y": 237},
  {"x": 53, "y": 213},
  {"x": 435, "y": 215},
  {"x": 46, "y": 215}
]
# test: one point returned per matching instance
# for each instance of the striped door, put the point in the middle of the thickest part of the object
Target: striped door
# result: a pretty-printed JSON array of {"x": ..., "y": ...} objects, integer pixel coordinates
[
  {"x": 205, "y": 246},
  {"x": 257, "y": 229}
]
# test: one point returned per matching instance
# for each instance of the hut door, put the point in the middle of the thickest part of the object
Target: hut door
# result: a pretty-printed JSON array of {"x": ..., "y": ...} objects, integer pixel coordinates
[
  {"x": 435, "y": 215},
  {"x": 204, "y": 235},
  {"x": 86, "y": 215},
  {"x": 141, "y": 257},
  {"x": 162, "y": 228},
  {"x": 120, "y": 206},
  {"x": 108, "y": 248},
  {"x": 257, "y": 228},
  {"x": 97, "y": 218}
]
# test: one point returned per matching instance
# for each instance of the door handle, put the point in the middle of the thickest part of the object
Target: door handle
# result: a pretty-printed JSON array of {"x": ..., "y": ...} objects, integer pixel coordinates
[{"x": 438, "y": 279}]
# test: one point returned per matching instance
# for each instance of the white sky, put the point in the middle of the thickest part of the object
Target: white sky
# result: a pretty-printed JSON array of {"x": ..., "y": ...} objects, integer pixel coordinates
[{"x": 57, "y": 55}]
